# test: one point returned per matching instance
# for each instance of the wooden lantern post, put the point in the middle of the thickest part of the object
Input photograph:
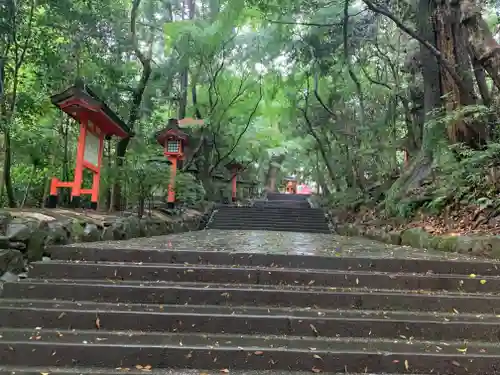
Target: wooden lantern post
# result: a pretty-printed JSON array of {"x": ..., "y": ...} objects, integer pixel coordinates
[
  {"x": 97, "y": 122},
  {"x": 174, "y": 142},
  {"x": 235, "y": 169},
  {"x": 291, "y": 185}
]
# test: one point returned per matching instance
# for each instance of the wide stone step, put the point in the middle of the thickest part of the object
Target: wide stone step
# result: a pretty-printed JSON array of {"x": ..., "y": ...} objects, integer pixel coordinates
[
  {"x": 271, "y": 212},
  {"x": 292, "y": 226},
  {"x": 265, "y": 218},
  {"x": 267, "y": 227},
  {"x": 257, "y": 209},
  {"x": 270, "y": 218},
  {"x": 17, "y": 370},
  {"x": 246, "y": 295},
  {"x": 285, "y": 204},
  {"x": 297, "y": 226},
  {"x": 286, "y": 197},
  {"x": 261, "y": 276},
  {"x": 129, "y": 349},
  {"x": 250, "y": 320},
  {"x": 90, "y": 252}
]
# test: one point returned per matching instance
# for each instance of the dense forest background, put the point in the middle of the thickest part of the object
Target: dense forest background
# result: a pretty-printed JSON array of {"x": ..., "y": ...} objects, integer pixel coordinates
[{"x": 387, "y": 103}]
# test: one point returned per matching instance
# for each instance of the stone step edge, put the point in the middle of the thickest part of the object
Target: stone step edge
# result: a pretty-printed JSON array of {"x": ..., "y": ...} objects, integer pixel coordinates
[
  {"x": 269, "y": 229},
  {"x": 200, "y": 253},
  {"x": 167, "y": 310},
  {"x": 15, "y": 370},
  {"x": 245, "y": 311},
  {"x": 250, "y": 343},
  {"x": 246, "y": 268},
  {"x": 271, "y": 223},
  {"x": 229, "y": 287}
]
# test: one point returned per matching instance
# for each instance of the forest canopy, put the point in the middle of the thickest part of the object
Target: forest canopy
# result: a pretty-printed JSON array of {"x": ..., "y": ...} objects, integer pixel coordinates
[{"x": 385, "y": 103}]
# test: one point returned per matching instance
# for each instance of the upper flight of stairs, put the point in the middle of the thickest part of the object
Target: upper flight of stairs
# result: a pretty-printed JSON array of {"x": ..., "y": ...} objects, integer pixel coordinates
[
  {"x": 104, "y": 311},
  {"x": 280, "y": 212}
]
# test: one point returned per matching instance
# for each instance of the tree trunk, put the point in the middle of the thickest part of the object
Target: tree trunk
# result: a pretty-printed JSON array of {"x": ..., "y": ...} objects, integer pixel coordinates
[
  {"x": 117, "y": 201},
  {"x": 483, "y": 45},
  {"x": 430, "y": 66},
  {"x": 272, "y": 172},
  {"x": 453, "y": 46}
]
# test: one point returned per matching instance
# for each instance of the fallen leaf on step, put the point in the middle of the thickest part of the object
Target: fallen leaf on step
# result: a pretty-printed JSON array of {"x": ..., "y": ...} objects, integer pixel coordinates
[
  {"x": 316, "y": 370},
  {"x": 258, "y": 353},
  {"x": 483, "y": 282},
  {"x": 225, "y": 371},
  {"x": 313, "y": 328},
  {"x": 44, "y": 373},
  {"x": 317, "y": 357},
  {"x": 139, "y": 367},
  {"x": 472, "y": 276},
  {"x": 61, "y": 315},
  {"x": 462, "y": 350},
  {"x": 407, "y": 365},
  {"x": 98, "y": 323}
]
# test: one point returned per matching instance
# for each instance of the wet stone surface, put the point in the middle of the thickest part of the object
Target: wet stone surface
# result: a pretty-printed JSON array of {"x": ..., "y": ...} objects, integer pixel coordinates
[{"x": 276, "y": 242}]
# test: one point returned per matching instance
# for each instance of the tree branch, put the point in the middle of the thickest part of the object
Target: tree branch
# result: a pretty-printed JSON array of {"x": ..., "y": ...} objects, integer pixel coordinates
[
  {"x": 242, "y": 133},
  {"x": 313, "y": 24},
  {"x": 439, "y": 56},
  {"x": 28, "y": 35},
  {"x": 146, "y": 66},
  {"x": 349, "y": 65}
]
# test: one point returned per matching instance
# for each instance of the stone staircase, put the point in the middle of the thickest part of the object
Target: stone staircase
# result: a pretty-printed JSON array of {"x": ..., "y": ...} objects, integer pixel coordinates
[
  {"x": 113, "y": 311},
  {"x": 280, "y": 212}
]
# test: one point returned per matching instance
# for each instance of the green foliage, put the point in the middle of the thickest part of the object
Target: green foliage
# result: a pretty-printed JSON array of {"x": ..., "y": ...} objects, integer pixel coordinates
[
  {"x": 279, "y": 88},
  {"x": 188, "y": 189}
]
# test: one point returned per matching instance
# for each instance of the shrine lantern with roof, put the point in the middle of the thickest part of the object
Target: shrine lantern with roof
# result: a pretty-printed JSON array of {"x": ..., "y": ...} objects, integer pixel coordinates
[
  {"x": 291, "y": 185},
  {"x": 174, "y": 141},
  {"x": 235, "y": 168},
  {"x": 97, "y": 123}
]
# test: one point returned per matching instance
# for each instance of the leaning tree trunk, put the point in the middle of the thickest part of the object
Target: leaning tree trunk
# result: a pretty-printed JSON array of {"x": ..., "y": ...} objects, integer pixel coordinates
[
  {"x": 453, "y": 46},
  {"x": 483, "y": 45}
]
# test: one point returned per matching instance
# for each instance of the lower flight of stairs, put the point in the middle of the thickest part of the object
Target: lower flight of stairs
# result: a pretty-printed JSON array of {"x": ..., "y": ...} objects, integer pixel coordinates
[
  {"x": 292, "y": 215},
  {"x": 109, "y": 311}
]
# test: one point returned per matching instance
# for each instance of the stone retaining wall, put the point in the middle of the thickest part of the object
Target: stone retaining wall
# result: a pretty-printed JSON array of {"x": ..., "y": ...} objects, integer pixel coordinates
[
  {"x": 476, "y": 245},
  {"x": 25, "y": 235}
]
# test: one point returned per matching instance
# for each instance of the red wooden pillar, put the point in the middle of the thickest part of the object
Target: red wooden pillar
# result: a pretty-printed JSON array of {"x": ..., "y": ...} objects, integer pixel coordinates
[
  {"x": 235, "y": 168},
  {"x": 233, "y": 185},
  {"x": 97, "y": 122}
]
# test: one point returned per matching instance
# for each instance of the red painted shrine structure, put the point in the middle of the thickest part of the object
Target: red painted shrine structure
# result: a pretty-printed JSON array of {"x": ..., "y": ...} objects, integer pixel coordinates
[
  {"x": 235, "y": 168},
  {"x": 174, "y": 141},
  {"x": 97, "y": 123}
]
